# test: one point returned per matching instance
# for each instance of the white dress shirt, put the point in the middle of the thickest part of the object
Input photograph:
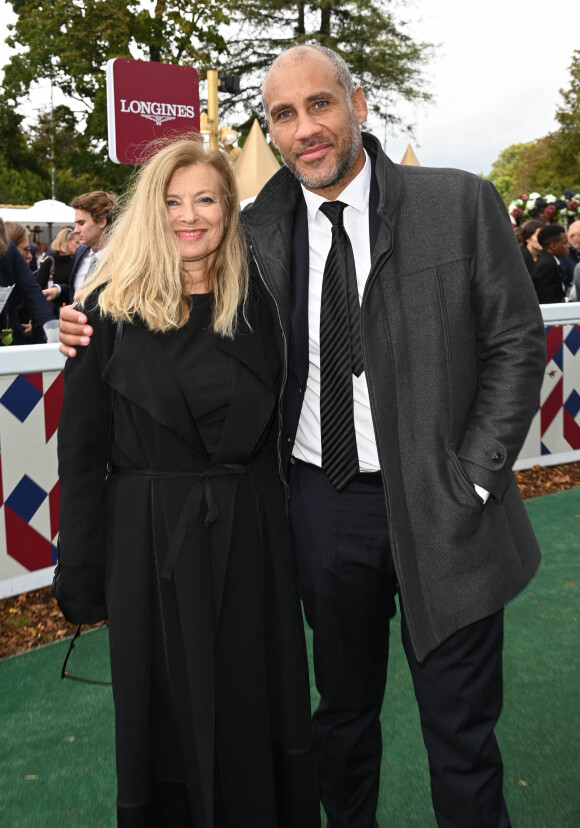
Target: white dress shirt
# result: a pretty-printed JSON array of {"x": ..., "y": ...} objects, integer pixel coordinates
[
  {"x": 356, "y": 222},
  {"x": 83, "y": 268}
]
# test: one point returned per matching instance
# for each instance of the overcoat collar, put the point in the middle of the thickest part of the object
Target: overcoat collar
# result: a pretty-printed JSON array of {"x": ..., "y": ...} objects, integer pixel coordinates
[{"x": 269, "y": 221}]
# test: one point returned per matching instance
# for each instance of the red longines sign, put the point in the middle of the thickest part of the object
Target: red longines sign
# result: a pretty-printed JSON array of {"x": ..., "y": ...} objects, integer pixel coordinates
[{"x": 147, "y": 100}]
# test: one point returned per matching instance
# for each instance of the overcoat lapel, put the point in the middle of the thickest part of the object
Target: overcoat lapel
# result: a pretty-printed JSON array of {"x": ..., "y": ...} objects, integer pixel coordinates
[
  {"x": 299, "y": 312},
  {"x": 252, "y": 379},
  {"x": 374, "y": 220}
]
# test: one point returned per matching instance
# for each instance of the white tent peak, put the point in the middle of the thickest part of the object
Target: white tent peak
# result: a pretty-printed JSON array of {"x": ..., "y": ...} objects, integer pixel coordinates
[
  {"x": 409, "y": 158},
  {"x": 256, "y": 165}
]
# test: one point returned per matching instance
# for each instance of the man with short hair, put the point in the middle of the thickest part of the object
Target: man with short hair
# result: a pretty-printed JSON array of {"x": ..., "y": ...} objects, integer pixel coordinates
[
  {"x": 547, "y": 275},
  {"x": 94, "y": 213},
  {"x": 574, "y": 235},
  {"x": 574, "y": 240},
  {"x": 438, "y": 398},
  {"x": 569, "y": 262}
]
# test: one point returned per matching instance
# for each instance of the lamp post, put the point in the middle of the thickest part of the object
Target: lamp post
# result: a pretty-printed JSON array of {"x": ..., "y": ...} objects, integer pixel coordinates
[{"x": 212, "y": 107}]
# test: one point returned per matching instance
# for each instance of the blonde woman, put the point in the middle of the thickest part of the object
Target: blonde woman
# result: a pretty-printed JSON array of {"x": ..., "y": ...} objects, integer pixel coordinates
[
  {"x": 183, "y": 546},
  {"x": 57, "y": 265}
]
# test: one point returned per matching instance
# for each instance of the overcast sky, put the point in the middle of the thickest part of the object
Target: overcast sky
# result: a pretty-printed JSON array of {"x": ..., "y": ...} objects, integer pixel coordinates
[{"x": 495, "y": 77}]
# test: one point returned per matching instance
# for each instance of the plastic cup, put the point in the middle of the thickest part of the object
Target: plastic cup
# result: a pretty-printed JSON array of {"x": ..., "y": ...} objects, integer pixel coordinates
[{"x": 51, "y": 330}]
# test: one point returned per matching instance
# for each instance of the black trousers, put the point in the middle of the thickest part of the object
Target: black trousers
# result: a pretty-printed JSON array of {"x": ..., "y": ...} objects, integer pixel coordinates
[{"x": 348, "y": 586}]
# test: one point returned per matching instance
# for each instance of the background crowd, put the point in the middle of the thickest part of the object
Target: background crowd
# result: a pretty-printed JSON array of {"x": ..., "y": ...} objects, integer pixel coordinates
[
  {"x": 552, "y": 257},
  {"x": 45, "y": 279},
  {"x": 41, "y": 281}
]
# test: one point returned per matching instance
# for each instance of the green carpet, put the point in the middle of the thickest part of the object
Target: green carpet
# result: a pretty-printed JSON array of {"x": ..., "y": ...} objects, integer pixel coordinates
[
  {"x": 57, "y": 759},
  {"x": 57, "y": 765}
]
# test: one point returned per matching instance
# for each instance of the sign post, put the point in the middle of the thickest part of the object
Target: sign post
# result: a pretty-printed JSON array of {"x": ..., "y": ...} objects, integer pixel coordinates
[{"x": 145, "y": 101}]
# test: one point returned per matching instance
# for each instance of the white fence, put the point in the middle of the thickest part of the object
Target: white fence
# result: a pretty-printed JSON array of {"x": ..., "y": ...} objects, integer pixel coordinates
[{"x": 31, "y": 386}]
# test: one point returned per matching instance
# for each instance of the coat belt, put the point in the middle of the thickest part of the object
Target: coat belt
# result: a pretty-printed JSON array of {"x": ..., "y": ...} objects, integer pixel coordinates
[{"x": 201, "y": 491}]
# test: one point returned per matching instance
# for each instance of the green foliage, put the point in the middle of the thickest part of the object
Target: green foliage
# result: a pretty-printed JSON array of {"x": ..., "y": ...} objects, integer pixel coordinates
[
  {"x": 20, "y": 186},
  {"x": 566, "y": 144},
  {"x": 505, "y": 170},
  {"x": 383, "y": 58},
  {"x": 21, "y": 172},
  {"x": 68, "y": 43}
]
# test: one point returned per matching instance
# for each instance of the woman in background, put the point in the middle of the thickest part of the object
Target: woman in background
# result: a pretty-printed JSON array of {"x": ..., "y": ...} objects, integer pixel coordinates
[
  {"x": 25, "y": 297},
  {"x": 57, "y": 266},
  {"x": 184, "y": 545},
  {"x": 19, "y": 234},
  {"x": 531, "y": 246}
]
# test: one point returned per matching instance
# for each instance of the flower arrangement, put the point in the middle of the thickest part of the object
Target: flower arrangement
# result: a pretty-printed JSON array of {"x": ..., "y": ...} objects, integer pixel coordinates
[{"x": 548, "y": 208}]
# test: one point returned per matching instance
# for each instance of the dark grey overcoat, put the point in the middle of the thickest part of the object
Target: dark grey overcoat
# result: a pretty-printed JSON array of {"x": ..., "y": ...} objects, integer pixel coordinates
[{"x": 454, "y": 353}]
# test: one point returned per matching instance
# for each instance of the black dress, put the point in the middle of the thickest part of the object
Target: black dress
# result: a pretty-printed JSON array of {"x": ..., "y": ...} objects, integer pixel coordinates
[
  {"x": 62, "y": 269},
  {"x": 528, "y": 261},
  {"x": 207, "y": 652},
  {"x": 61, "y": 275}
]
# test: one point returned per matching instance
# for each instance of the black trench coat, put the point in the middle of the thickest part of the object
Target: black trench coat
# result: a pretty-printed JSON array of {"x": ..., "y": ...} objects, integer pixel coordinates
[{"x": 190, "y": 560}]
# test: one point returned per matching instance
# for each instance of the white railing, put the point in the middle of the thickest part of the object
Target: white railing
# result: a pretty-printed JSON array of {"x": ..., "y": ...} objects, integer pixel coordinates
[
  {"x": 26, "y": 359},
  {"x": 30, "y": 396}
]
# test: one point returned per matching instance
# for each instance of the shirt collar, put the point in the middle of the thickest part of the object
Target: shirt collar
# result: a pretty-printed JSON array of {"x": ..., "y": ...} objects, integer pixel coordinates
[{"x": 356, "y": 194}]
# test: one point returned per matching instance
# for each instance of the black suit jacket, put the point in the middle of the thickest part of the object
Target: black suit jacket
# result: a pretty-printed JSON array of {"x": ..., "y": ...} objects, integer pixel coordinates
[
  {"x": 15, "y": 271},
  {"x": 548, "y": 279},
  {"x": 67, "y": 290}
]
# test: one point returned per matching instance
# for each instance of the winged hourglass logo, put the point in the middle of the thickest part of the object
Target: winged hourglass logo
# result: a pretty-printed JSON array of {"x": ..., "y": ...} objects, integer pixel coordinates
[{"x": 158, "y": 112}]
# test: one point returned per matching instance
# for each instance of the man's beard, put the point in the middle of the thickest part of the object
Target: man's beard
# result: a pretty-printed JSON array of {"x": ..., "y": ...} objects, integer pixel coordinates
[{"x": 348, "y": 152}]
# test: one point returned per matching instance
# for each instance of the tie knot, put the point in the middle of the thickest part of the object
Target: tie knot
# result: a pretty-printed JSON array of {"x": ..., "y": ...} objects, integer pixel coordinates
[{"x": 333, "y": 211}]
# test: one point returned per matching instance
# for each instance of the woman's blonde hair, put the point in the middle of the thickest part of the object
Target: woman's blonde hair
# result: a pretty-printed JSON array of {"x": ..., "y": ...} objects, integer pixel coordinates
[
  {"x": 141, "y": 267},
  {"x": 59, "y": 245}
]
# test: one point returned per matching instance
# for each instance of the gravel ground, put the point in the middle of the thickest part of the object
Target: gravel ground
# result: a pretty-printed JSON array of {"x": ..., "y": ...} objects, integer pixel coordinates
[{"x": 33, "y": 618}]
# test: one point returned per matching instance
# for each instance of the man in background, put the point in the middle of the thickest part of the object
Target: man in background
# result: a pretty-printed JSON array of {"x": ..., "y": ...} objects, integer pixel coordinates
[
  {"x": 94, "y": 214},
  {"x": 548, "y": 277}
]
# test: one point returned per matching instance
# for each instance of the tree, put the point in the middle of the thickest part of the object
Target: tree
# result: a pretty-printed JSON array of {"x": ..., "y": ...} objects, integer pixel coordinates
[
  {"x": 525, "y": 168},
  {"x": 505, "y": 170},
  {"x": 566, "y": 145},
  {"x": 21, "y": 173},
  {"x": 383, "y": 58},
  {"x": 68, "y": 42},
  {"x": 53, "y": 140}
]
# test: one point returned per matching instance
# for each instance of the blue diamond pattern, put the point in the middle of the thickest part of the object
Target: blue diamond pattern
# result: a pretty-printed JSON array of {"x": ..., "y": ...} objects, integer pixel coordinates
[
  {"x": 26, "y": 498},
  {"x": 20, "y": 398},
  {"x": 573, "y": 339},
  {"x": 572, "y": 404}
]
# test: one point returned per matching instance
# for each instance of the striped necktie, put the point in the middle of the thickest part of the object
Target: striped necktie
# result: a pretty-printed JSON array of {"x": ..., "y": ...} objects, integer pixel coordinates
[
  {"x": 340, "y": 353},
  {"x": 92, "y": 265}
]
